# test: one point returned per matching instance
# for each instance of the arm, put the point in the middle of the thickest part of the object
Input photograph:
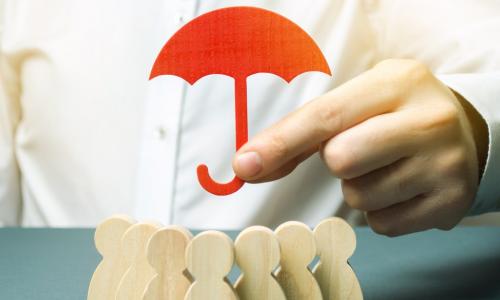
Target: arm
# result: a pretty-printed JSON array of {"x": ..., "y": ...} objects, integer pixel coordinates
[
  {"x": 408, "y": 149},
  {"x": 482, "y": 92},
  {"x": 10, "y": 195},
  {"x": 397, "y": 137}
]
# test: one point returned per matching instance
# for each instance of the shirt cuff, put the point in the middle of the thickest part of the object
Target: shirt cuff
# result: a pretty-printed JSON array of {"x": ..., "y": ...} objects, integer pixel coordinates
[{"x": 482, "y": 91}]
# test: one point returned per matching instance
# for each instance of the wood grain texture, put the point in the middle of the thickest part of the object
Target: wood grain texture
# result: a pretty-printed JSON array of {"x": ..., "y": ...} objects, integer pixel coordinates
[
  {"x": 107, "y": 276},
  {"x": 298, "y": 250},
  {"x": 139, "y": 273},
  {"x": 258, "y": 254},
  {"x": 336, "y": 242},
  {"x": 209, "y": 258},
  {"x": 166, "y": 254}
]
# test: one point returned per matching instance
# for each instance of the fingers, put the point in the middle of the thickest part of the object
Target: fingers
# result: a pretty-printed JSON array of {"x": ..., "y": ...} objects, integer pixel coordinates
[
  {"x": 353, "y": 102},
  {"x": 287, "y": 168},
  {"x": 433, "y": 210},
  {"x": 373, "y": 144},
  {"x": 401, "y": 218},
  {"x": 361, "y": 149},
  {"x": 398, "y": 182}
]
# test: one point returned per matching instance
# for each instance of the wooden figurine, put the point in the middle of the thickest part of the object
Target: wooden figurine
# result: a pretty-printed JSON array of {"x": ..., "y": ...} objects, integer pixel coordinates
[
  {"x": 336, "y": 242},
  {"x": 258, "y": 254},
  {"x": 107, "y": 238},
  {"x": 166, "y": 254},
  {"x": 139, "y": 273},
  {"x": 146, "y": 261},
  {"x": 209, "y": 258},
  {"x": 298, "y": 249}
]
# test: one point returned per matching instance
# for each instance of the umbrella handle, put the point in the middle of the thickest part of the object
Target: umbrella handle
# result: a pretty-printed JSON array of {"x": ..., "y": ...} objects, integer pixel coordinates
[
  {"x": 241, "y": 121},
  {"x": 219, "y": 189}
]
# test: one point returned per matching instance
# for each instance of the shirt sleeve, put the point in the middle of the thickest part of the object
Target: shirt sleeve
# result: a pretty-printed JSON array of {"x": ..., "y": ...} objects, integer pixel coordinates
[
  {"x": 458, "y": 41},
  {"x": 483, "y": 92},
  {"x": 10, "y": 195}
]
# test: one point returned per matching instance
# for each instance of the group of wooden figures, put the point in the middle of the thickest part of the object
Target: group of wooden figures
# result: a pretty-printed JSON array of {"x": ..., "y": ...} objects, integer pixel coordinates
[{"x": 148, "y": 261}]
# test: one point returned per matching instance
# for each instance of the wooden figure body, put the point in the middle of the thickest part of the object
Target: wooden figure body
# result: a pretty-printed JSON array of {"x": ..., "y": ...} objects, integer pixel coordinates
[
  {"x": 166, "y": 254},
  {"x": 146, "y": 261},
  {"x": 209, "y": 258},
  {"x": 298, "y": 249},
  {"x": 107, "y": 276},
  {"x": 336, "y": 242},
  {"x": 139, "y": 273},
  {"x": 257, "y": 255}
]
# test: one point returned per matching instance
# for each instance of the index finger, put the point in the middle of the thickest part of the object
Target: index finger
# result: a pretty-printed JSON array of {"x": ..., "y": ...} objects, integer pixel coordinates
[{"x": 349, "y": 104}]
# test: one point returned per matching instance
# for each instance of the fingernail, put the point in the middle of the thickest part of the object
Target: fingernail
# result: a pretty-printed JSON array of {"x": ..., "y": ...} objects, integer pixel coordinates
[{"x": 249, "y": 164}]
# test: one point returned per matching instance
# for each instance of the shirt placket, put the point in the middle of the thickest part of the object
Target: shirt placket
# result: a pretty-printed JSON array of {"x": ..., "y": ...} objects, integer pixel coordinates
[{"x": 162, "y": 129}]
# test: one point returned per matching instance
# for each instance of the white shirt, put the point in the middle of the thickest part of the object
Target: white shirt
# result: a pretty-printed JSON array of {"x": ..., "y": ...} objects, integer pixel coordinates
[{"x": 84, "y": 134}]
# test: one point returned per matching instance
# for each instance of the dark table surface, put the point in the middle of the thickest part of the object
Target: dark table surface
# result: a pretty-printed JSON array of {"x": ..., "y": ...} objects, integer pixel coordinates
[{"x": 460, "y": 264}]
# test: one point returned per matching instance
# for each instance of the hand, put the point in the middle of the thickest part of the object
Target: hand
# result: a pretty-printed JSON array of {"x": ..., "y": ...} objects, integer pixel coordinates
[{"x": 398, "y": 138}]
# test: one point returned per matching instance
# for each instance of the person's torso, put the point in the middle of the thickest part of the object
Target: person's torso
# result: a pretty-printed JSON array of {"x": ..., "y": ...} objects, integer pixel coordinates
[{"x": 97, "y": 137}]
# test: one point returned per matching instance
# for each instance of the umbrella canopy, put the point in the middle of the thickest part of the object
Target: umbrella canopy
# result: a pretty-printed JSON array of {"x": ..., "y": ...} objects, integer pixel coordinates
[{"x": 239, "y": 42}]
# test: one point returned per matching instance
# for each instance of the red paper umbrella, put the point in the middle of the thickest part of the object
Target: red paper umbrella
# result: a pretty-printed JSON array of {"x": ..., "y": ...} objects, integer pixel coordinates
[{"x": 238, "y": 42}]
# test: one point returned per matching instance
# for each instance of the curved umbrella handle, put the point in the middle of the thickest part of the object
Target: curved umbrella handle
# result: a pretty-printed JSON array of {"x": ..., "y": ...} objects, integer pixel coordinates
[
  {"x": 219, "y": 189},
  {"x": 240, "y": 107}
]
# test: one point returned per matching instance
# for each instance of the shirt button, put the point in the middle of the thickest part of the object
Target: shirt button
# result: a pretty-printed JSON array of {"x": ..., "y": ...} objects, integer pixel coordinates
[
  {"x": 181, "y": 18},
  {"x": 160, "y": 133}
]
